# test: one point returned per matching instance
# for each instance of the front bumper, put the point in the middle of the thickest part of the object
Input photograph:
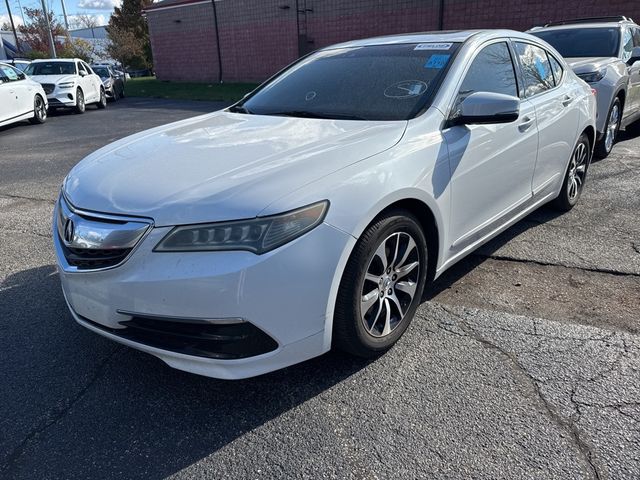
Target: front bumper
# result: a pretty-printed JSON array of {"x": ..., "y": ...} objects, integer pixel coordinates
[
  {"x": 62, "y": 98},
  {"x": 288, "y": 294}
]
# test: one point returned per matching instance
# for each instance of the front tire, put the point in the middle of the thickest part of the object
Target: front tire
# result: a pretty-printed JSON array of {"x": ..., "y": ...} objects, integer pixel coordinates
[
  {"x": 382, "y": 285},
  {"x": 80, "y": 105},
  {"x": 575, "y": 176},
  {"x": 39, "y": 111},
  {"x": 611, "y": 129}
]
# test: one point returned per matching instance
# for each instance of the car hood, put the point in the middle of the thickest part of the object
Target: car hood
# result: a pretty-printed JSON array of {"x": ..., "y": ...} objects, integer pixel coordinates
[
  {"x": 53, "y": 78},
  {"x": 589, "y": 64},
  {"x": 220, "y": 166}
]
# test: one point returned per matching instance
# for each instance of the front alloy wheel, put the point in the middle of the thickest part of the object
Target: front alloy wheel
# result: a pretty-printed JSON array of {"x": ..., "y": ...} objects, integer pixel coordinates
[
  {"x": 382, "y": 285},
  {"x": 80, "y": 106},
  {"x": 102, "y": 103}
]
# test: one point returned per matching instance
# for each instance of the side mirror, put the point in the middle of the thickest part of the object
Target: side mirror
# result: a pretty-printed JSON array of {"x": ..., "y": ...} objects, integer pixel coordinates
[
  {"x": 82, "y": 73},
  {"x": 486, "y": 108},
  {"x": 635, "y": 56}
]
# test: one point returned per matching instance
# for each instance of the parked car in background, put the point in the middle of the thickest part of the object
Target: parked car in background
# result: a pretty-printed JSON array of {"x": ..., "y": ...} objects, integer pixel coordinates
[
  {"x": 20, "y": 97},
  {"x": 268, "y": 246},
  {"x": 68, "y": 83},
  {"x": 113, "y": 84},
  {"x": 604, "y": 52},
  {"x": 20, "y": 64}
]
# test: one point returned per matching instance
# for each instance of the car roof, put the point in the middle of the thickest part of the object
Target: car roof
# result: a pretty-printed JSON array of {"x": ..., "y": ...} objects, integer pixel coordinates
[
  {"x": 445, "y": 36},
  {"x": 584, "y": 24},
  {"x": 50, "y": 60}
]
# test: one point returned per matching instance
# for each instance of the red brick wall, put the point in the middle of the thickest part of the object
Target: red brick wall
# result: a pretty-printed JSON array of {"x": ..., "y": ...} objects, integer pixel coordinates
[{"x": 259, "y": 37}]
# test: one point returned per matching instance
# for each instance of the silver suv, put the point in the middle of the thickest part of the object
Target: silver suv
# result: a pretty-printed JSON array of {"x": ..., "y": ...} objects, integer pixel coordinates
[{"x": 605, "y": 53}]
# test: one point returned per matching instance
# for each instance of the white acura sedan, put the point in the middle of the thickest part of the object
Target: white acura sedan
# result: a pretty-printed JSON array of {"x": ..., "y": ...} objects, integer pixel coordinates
[
  {"x": 313, "y": 213},
  {"x": 20, "y": 97}
]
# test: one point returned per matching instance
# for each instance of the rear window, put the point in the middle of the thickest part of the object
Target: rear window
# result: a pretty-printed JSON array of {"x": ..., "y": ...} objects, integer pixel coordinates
[
  {"x": 382, "y": 82},
  {"x": 583, "y": 42}
]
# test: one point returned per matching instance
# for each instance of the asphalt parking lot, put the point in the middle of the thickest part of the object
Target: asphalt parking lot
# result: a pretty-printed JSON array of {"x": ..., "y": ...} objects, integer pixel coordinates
[{"x": 523, "y": 361}]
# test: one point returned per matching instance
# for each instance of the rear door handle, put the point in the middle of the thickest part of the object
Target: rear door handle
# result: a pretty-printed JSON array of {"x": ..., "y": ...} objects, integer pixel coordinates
[
  {"x": 566, "y": 101},
  {"x": 525, "y": 124}
]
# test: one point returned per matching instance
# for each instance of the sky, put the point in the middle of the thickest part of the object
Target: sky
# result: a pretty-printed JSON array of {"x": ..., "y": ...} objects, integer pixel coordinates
[{"x": 99, "y": 9}]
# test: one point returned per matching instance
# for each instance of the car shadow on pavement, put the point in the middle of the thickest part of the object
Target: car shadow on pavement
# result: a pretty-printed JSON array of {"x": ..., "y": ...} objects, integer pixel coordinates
[
  {"x": 76, "y": 405},
  {"x": 476, "y": 258}
]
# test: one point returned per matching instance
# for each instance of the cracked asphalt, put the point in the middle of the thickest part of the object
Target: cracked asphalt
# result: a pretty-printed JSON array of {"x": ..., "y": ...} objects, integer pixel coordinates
[{"x": 523, "y": 360}]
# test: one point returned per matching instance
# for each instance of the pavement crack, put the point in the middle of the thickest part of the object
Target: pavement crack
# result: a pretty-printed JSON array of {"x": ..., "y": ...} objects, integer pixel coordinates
[
  {"x": 22, "y": 197},
  {"x": 605, "y": 271},
  {"x": 56, "y": 415},
  {"x": 568, "y": 426}
]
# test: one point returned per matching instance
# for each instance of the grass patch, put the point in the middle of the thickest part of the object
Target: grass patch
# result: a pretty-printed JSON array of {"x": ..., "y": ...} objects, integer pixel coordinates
[{"x": 151, "y": 87}]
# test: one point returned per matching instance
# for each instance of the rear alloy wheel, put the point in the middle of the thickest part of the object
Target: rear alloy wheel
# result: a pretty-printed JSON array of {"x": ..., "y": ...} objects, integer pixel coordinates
[
  {"x": 39, "y": 111},
  {"x": 575, "y": 177},
  {"x": 608, "y": 140},
  {"x": 382, "y": 285},
  {"x": 80, "y": 106},
  {"x": 102, "y": 103}
]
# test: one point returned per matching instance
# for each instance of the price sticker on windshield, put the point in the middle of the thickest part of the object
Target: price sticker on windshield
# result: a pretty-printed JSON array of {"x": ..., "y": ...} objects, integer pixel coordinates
[{"x": 433, "y": 46}]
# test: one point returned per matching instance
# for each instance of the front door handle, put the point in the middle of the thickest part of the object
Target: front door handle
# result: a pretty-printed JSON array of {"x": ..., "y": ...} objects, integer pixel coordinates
[
  {"x": 566, "y": 101},
  {"x": 525, "y": 124}
]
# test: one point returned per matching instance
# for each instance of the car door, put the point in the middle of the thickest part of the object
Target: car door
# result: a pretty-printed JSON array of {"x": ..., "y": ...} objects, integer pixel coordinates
[
  {"x": 87, "y": 84},
  {"x": 23, "y": 90},
  {"x": 632, "y": 107},
  {"x": 492, "y": 164},
  {"x": 95, "y": 80},
  {"x": 6, "y": 98},
  {"x": 11, "y": 92},
  {"x": 557, "y": 118}
]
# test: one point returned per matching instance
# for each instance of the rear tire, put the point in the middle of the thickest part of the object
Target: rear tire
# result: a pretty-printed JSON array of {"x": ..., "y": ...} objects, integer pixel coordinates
[
  {"x": 39, "y": 111},
  {"x": 611, "y": 129},
  {"x": 382, "y": 285},
  {"x": 575, "y": 176},
  {"x": 102, "y": 103}
]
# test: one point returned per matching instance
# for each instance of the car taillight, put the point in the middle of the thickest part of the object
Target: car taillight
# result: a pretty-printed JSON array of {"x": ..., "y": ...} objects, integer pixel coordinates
[{"x": 594, "y": 91}]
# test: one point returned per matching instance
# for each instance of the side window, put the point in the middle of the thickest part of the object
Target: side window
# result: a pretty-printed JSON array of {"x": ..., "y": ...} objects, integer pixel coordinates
[
  {"x": 535, "y": 67},
  {"x": 636, "y": 37},
  {"x": 9, "y": 74},
  {"x": 627, "y": 44},
  {"x": 81, "y": 68},
  {"x": 491, "y": 71},
  {"x": 87, "y": 67},
  {"x": 556, "y": 68}
]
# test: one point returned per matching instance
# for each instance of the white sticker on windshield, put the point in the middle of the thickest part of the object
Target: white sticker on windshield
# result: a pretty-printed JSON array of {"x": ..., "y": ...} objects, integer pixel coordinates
[{"x": 433, "y": 46}]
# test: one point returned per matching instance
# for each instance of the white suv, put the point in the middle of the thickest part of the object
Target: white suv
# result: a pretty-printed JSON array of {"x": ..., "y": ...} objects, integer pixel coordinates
[{"x": 68, "y": 83}]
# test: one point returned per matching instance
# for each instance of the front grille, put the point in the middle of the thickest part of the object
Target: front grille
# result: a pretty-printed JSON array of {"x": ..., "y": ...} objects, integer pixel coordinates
[
  {"x": 48, "y": 88},
  {"x": 210, "y": 340},
  {"x": 91, "y": 259}
]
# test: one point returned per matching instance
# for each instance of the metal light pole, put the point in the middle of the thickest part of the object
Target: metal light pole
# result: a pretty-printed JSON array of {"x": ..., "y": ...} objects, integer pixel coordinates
[
  {"x": 52, "y": 45},
  {"x": 13, "y": 25},
  {"x": 215, "y": 21}
]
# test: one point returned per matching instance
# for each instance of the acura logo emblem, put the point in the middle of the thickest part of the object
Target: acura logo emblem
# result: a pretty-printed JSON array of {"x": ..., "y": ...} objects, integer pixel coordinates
[{"x": 68, "y": 231}]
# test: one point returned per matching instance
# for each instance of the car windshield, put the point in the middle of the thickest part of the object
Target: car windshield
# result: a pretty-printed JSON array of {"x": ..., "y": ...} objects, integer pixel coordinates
[
  {"x": 583, "y": 42},
  {"x": 102, "y": 71},
  {"x": 382, "y": 82},
  {"x": 51, "y": 68}
]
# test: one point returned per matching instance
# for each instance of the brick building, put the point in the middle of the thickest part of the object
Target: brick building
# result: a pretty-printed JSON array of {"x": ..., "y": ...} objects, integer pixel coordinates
[{"x": 258, "y": 37}]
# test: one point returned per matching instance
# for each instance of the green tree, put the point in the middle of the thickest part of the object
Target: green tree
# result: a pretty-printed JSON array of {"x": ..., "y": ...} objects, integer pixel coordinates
[{"x": 129, "y": 35}]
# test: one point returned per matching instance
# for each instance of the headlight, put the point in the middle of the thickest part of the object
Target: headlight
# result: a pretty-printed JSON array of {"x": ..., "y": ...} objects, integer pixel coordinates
[
  {"x": 65, "y": 85},
  {"x": 258, "y": 235},
  {"x": 592, "y": 77}
]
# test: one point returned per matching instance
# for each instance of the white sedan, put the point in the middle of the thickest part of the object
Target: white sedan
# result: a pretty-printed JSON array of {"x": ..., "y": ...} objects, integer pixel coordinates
[
  {"x": 68, "y": 83},
  {"x": 20, "y": 97},
  {"x": 314, "y": 212}
]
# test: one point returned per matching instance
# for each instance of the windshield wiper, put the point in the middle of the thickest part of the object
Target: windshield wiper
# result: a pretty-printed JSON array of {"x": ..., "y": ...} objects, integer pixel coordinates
[
  {"x": 240, "y": 109},
  {"x": 306, "y": 114}
]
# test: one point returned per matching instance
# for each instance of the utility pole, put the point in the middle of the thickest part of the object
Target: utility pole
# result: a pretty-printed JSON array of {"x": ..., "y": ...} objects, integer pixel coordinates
[
  {"x": 52, "y": 45},
  {"x": 13, "y": 26},
  {"x": 64, "y": 13}
]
